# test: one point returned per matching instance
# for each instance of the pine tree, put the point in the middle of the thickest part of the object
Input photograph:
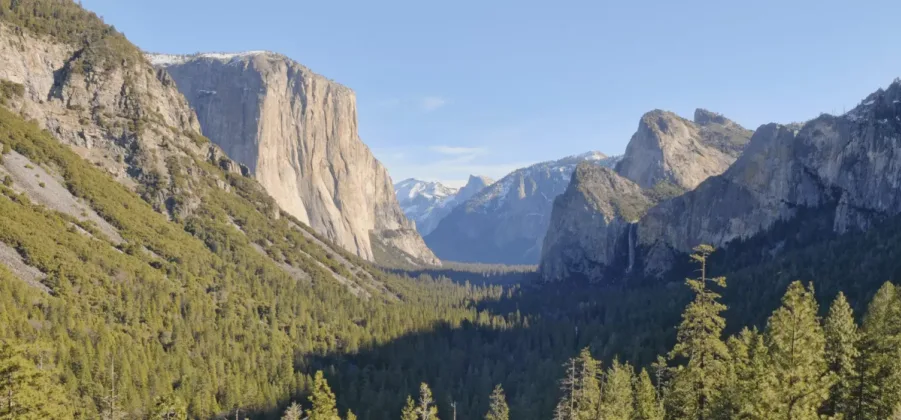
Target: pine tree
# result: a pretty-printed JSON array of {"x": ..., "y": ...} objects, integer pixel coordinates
[
  {"x": 351, "y": 415},
  {"x": 409, "y": 411},
  {"x": 746, "y": 395},
  {"x": 617, "y": 402},
  {"x": 698, "y": 340},
  {"x": 27, "y": 392},
  {"x": 647, "y": 405},
  {"x": 841, "y": 352},
  {"x": 566, "y": 407},
  {"x": 293, "y": 412},
  {"x": 878, "y": 387},
  {"x": 169, "y": 407},
  {"x": 580, "y": 387},
  {"x": 323, "y": 400},
  {"x": 498, "y": 409},
  {"x": 680, "y": 400},
  {"x": 588, "y": 395},
  {"x": 426, "y": 409},
  {"x": 800, "y": 376}
]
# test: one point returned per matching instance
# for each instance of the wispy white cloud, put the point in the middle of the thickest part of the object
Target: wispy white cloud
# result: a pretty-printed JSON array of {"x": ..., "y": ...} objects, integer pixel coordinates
[
  {"x": 451, "y": 172},
  {"x": 457, "y": 150},
  {"x": 431, "y": 103}
]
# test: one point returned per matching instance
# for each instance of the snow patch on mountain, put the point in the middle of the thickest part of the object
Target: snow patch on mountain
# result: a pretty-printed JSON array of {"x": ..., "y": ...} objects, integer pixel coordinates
[
  {"x": 427, "y": 202},
  {"x": 164, "y": 60}
]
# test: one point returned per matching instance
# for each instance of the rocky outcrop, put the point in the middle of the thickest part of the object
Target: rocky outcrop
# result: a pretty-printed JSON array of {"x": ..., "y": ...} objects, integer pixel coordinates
[
  {"x": 669, "y": 148},
  {"x": 297, "y": 133},
  {"x": 593, "y": 233},
  {"x": 848, "y": 167},
  {"x": 506, "y": 222},
  {"x": 844, "y": 169},
  {"x": 113, "y": 108},
  {"x": 473, "y": 186},
  {"x": 592, "y": 225},
  {"x": 427, "y": 203}
]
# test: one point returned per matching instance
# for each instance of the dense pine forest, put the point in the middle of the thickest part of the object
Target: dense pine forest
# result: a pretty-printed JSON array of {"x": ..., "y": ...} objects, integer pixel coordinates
[
  {"x": 800, "y": 366},
  {"x": 196, "y": 317}
]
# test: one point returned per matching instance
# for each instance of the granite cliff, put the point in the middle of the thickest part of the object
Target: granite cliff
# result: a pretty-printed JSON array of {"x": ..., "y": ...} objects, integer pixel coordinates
[
  {"x": 296, "y": 131},
  {"x": 846, "y": 168},
  {"x": 592, "y": 233}
]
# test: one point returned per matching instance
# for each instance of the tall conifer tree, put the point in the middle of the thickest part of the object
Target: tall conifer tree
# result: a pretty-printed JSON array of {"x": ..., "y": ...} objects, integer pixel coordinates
[
  {"x": 27, "y": 392},
  {"x": 747, "y": 394},
  {"x": 409, "y": 411},
  {"x": 293, "y": 412},
  {"x": 323, "y": 400},
  {"x": 426, "y": 409},
  {"x": 878, "y": 382},
  {"x": 699, "y": 342},
  {"x": 647, "y": 405},
  {"x": 617, "y": 402},
  {"x": 841, "y": 352},
  {"x": 497, "y": 408},
  {"x": 580, "y": 387},
  {"x": 800, "y": 376}
]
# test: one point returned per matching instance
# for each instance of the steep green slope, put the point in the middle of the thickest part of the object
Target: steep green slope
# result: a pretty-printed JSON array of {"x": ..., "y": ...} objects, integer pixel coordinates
[{"x": 199, "y": 308}]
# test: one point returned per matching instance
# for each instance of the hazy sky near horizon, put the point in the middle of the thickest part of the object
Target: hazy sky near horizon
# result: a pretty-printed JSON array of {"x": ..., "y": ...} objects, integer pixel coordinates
[{"x": 446, "y": 89}]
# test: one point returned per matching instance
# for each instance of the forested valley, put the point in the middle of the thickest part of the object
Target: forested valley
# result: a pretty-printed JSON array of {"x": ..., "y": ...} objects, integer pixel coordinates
[{"x": 202, "y": 314}]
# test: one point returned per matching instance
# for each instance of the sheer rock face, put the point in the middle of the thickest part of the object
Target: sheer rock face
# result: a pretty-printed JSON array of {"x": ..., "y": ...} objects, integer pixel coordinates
[
  {"x": 125, "y": 117},
  {"x": 590, "y": 222},
  {"x": 849, "y": 165},
  {"x": 846, "y": 167},
  {"x": 669, "y": 148},
  {"x": 297, "y": 132},
  {"x": 593, "y": 233},
  {"x": 506, "y": 222}
]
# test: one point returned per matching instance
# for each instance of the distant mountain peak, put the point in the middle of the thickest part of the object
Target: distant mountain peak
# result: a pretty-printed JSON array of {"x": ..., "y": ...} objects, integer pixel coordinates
[
  {"x": 478, "y": 181},
  {"x": 506, "y": 221},
  {"x": 427, "y": 202}
]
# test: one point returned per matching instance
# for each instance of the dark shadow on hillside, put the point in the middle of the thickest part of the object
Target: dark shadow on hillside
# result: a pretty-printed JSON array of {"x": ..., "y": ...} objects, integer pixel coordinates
[
  {"x": 544, "y": 324},
  {"x": 477, "y": 274}
]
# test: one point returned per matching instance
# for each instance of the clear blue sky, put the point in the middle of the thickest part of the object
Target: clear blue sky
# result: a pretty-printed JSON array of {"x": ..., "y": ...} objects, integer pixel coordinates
[{"x": 449, "y": 88}]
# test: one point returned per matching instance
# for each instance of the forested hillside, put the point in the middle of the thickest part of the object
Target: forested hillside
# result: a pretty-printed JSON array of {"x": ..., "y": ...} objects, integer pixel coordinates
[{"x": 808, "y": 361}]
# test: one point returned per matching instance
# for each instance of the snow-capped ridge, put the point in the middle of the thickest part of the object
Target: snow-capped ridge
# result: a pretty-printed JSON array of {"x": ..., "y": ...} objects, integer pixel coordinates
[
  {"x": 427, "y": 202},
  {"x": 164, "y": 60}
]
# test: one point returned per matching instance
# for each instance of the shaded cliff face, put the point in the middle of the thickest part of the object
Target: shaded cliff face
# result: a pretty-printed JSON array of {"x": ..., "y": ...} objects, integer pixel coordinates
[
  {"x": 847, "y": 166},
  {"x": 297, "y": 132},
  {"x": 588, "y": 223},
  {"x": 506, "y": 222},
  {"x": 669, "y": 148},
  {"x": 845, "y": 169},
  {"x": 592, "y": 233}
]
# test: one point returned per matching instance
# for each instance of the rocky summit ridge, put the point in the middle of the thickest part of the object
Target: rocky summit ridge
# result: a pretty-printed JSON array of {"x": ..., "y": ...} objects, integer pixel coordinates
[{"x": 592, "y": 231}]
